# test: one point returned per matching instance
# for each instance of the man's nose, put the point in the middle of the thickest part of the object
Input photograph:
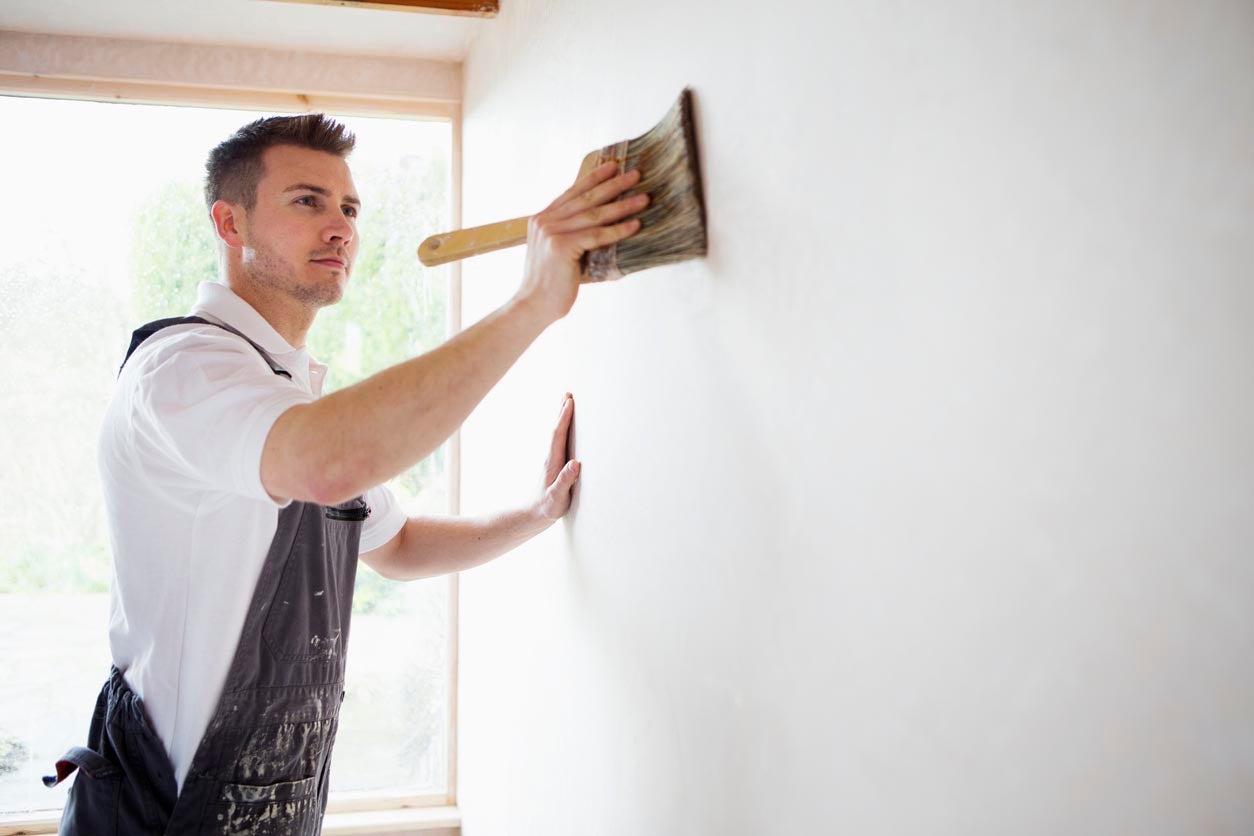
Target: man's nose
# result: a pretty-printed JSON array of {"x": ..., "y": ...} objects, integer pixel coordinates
[{"x": 338, "y": 228}]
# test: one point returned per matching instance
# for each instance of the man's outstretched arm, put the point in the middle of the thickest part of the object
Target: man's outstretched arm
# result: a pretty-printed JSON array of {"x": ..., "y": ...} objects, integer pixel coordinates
[
  {"x": 430, "y": 546},
  {"x": 335, "y": 448}
]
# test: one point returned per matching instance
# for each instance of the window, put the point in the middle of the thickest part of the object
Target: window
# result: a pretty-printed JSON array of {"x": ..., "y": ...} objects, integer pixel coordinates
[{"x": 106, "y": 229}]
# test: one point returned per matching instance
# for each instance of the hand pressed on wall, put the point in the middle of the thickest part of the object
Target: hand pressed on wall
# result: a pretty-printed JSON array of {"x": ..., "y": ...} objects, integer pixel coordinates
[{"x": 560, "y": 474}]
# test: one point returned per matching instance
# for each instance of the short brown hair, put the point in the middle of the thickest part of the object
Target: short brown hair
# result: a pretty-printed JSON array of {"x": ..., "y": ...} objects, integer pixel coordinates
[{"x": 234, "y": 167}]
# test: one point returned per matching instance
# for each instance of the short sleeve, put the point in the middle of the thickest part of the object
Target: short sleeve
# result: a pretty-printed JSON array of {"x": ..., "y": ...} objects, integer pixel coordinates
[
  {"x": 386, "y": 518},
  {"x": 202, "y": 402}
]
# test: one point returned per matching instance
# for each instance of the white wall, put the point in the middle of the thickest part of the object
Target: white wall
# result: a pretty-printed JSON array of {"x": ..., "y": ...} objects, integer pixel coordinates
[{"x": 925, "y": 504}]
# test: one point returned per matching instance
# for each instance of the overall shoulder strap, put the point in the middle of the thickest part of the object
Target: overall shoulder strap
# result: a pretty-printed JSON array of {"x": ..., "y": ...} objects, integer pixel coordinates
[{"x": 145, "y": 331}]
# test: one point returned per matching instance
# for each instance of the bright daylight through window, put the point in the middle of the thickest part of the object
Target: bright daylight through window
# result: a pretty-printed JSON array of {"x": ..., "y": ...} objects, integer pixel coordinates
[{"x": 107, "y": 229}]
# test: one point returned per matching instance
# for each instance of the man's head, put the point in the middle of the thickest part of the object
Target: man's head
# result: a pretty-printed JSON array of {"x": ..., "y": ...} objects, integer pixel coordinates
[{"x": 285, "y": 207}]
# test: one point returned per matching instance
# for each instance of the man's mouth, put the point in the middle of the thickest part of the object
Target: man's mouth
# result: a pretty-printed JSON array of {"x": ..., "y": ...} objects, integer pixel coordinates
[{"x": 331, "y": 262}]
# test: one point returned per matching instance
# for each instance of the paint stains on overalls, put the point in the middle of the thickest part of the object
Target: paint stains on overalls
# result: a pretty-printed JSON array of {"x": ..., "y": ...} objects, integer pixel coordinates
[{"x": 263, "y": 765}]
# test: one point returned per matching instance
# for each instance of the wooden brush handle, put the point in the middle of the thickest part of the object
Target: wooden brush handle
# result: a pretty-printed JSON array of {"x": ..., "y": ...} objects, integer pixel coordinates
[
  {"x": 454, "y": 246},
  {"x": 451, "y": 246}
]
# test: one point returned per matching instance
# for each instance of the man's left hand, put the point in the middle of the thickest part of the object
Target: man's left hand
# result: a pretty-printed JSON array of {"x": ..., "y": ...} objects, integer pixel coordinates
[{"x": 560, "y": 474}]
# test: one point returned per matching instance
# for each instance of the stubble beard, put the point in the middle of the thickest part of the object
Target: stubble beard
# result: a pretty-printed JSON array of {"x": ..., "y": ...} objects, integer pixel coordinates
[{"x": 267, "y": 270}]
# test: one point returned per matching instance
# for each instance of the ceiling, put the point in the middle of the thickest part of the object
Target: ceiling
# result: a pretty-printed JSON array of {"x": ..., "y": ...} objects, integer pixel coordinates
[{"x": 260, "y": 23}]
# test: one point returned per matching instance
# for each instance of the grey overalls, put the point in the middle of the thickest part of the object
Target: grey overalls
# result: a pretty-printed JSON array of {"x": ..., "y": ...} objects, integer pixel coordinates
[{"x": 263, "y": 764}]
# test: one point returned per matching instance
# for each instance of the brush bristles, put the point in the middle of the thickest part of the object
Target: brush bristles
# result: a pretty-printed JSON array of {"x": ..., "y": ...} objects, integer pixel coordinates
[{"x": 672, "y": 226}]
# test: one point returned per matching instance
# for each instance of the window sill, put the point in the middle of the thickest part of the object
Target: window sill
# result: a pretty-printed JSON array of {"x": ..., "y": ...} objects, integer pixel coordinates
[{"x": 413, "y": 820}]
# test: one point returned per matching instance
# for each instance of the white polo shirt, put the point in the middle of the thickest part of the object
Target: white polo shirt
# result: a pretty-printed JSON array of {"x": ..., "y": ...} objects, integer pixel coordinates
[{"x": 189, "y": 520}]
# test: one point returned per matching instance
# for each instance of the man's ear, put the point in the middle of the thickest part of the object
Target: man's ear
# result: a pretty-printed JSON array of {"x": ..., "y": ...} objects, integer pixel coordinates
[{"x": 229, "y": 222}]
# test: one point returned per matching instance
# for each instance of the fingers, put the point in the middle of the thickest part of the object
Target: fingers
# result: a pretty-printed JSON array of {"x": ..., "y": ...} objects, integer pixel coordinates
[
  {"x": 601, "y": 215},
  {"x": 568, "y": 475},
  {"x": 561, "y": 432},
  {"x": 558, "y": 494},
  {"x": 603, "y": 236},
  {"x": 593, "y": 197},
  {"x": 586, "y": 231},
  {"x": 598, "y": 175},
  {"x": 557, "y": 445}
]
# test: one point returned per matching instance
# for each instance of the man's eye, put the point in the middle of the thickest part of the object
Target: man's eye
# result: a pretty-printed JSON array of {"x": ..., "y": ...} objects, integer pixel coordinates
[
  {"x": 307, "y": 200},
  {"x": 351, "y": 211}
]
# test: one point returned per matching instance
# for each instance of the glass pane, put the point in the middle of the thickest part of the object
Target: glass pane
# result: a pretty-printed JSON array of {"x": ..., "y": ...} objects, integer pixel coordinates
[
  {"x": 393, "y": 723},
  {"x": 108, "y": 230}
]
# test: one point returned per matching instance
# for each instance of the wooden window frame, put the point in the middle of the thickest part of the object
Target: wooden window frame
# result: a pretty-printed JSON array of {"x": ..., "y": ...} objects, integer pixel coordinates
[
  {"x": 347, "y": 813},
  {"x": 461, "y": 8}
]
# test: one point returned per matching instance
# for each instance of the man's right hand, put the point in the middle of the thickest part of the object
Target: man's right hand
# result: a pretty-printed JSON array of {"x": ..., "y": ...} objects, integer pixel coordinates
[{"x": 586, "y": 216}]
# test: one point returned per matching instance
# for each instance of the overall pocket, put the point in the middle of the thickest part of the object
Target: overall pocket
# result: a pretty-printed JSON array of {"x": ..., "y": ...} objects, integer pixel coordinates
[
  {"x": 92, "y": 806},
  {"x": 288, "y": 807}
]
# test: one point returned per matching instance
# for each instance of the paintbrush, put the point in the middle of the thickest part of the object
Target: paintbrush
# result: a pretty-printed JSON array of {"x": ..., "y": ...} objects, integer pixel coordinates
[{"x": 672, "y": 226}]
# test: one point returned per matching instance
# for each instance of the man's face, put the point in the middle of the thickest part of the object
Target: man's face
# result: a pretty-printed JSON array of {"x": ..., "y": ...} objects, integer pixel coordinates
[{"x": 301, "y": 237}]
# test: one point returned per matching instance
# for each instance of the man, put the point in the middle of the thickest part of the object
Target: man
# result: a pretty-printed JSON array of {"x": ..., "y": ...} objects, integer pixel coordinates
[{"x": 239, "y": 499}]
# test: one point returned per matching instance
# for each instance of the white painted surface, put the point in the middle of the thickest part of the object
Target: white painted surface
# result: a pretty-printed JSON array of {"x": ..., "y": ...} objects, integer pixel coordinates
[
  {"x": 255, "y": 23},
  {"x": 925, "y": 504}
]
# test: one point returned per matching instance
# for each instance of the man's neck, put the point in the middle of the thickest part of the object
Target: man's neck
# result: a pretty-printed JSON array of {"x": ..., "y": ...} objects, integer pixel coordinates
[{"x": 291, "y": 319}]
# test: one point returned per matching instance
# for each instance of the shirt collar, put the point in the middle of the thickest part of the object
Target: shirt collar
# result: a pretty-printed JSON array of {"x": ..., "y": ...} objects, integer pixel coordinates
[{"x": 221, "y": 303}]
